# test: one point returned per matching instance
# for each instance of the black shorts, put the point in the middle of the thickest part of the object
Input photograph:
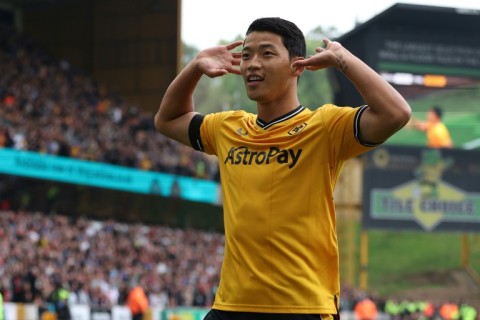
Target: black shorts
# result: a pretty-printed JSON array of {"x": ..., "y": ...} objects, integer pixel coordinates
[{"x": 232, "y": 315}]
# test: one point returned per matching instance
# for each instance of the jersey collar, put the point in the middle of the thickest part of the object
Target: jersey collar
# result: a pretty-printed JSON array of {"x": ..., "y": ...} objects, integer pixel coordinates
[{"x": 290, "y": 114}]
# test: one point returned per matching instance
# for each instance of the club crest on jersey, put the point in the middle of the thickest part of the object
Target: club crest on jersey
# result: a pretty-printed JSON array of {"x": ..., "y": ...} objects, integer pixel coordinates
[
  {"x": 244, "y": 156},
  {"x": 242, "y": 132},
  {"x": 297, "y": 129}
]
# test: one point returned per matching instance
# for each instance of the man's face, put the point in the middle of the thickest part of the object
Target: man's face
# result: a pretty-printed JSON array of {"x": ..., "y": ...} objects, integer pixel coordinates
[{"x": 266, "y": 67}]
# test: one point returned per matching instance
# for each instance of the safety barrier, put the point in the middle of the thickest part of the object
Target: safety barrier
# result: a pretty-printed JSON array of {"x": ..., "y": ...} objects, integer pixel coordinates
[{"x": 16, "y": 311}]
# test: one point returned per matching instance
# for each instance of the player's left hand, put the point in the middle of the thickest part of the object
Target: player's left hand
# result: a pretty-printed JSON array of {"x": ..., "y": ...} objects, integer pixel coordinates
[{"x": 328, "y": 56}]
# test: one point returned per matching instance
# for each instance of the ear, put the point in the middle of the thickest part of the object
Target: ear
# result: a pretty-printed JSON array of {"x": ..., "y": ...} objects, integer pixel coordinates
[{"x": 297, "y": 71}]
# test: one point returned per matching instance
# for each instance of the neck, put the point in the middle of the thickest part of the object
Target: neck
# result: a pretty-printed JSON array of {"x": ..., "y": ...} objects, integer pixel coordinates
[{"x": 270, "y": 111}]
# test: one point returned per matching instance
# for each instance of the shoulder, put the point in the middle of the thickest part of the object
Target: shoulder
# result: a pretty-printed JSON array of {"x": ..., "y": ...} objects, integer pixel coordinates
[
  {"x": 329, "y": 107},
  {"x": 329, "y": 111},
  {"x": 231, "y": 116}
]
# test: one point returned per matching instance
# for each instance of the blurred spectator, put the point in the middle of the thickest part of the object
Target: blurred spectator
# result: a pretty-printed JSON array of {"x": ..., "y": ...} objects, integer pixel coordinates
[
  {"x": 449, "y": 311},
  {"x": 430, "y": 311},
  {"x": 392, "y": 309},
  {"x": 2, "y": 313},
  {"x": 59, "y": 298},
  {"x": 77, "y": 294},
  {"x": 137, "y": 302},
  {"x": 5, "y": 140},
  {"x": 467, "y": 312},
  {"x": 366, "y": 309}
]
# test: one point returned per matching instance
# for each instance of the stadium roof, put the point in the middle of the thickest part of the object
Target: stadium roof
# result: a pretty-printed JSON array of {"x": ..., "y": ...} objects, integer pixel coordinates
[
  {"x": 31, "y": 3},
  {"x": 423, "y": 15}
]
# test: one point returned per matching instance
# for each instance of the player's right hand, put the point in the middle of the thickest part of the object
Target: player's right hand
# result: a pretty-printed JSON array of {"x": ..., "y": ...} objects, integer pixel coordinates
[{"x": 219, "y": 61}]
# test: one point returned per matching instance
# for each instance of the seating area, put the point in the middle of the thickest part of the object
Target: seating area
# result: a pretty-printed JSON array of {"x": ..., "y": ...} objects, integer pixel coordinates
[
  {"x": 48, "y": 106},
  {"x": 98, "y": 261}
]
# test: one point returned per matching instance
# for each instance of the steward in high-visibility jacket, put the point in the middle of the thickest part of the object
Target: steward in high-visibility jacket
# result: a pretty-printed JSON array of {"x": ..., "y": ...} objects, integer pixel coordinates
[
  {"x": 466, "y": 312},
  {"x": 366, "y": 309},
  {"x": 137, "y": 302},
  {"x": 2, "y": 311},
  {"x": 392, "y": 308}
]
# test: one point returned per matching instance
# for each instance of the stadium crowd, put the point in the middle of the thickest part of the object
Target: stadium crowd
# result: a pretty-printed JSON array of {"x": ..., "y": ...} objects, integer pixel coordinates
[
  {"x": 48, "y": 106},
  {"x": 99, "y": 262}
]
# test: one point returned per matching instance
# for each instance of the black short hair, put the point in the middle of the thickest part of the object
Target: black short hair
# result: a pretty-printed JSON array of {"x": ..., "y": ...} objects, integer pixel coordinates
[
  {"x": 292, "y": 37},
  {"x": 438, "y": 111}
]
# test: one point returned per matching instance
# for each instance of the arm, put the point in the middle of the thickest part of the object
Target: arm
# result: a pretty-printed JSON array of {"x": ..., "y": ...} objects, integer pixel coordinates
[
  {"x": 418, "y": 124},
  {"x": 177, "y": 108},
  {"x": 388, "y": 111}
]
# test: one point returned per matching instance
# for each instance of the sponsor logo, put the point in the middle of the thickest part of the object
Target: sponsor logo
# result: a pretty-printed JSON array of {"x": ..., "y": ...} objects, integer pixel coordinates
[{"x": 244, "y": 156}]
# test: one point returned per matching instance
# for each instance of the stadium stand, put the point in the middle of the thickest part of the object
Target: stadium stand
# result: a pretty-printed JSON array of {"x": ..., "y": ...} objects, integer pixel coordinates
[
  {"x": 48, "y": 106},
  {"x": 97, "y": 261}
]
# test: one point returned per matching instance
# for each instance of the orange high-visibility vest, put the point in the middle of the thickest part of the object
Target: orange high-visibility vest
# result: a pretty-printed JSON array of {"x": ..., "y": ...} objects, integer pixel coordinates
[{"x": 137, "y": 301}]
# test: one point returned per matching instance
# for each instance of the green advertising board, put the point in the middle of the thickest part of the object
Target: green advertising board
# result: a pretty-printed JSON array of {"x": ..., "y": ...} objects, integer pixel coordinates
[{"x": 183, "y": 314}]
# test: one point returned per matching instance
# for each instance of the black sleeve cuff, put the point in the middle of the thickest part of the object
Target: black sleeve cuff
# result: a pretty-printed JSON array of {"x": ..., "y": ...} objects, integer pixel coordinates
[
  {"x": 194, "y": 132},
  {"x": 356, "y": 128}
]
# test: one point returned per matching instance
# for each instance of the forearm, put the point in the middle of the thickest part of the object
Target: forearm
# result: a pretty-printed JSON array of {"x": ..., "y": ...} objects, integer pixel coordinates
[
  {"x": 378, "y": 94},
  {"x": 177, "y": 108},
  {"x": 178, "y": 98},
  {"x": 388, "y": 111}
]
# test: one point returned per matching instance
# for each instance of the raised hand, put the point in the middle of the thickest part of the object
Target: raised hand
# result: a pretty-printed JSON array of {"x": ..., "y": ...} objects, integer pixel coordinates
[
  {"x": 219, "y": 61},
  {"x": 329, "y": 56}
]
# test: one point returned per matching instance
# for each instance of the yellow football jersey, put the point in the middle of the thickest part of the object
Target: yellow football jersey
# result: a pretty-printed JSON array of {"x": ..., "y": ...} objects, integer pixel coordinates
[
  {"x": 278, "y": 179},
  {"x": 438, "y": 136}
]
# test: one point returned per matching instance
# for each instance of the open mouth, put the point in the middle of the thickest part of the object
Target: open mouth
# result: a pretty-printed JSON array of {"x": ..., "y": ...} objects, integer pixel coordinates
[{"x": 254, "y": 78}]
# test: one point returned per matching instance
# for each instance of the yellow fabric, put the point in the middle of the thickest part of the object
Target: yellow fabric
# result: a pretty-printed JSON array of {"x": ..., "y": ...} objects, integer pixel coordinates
[
  {"x": 281, "y": 252},
  {"x": 438, "y": 136}
]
